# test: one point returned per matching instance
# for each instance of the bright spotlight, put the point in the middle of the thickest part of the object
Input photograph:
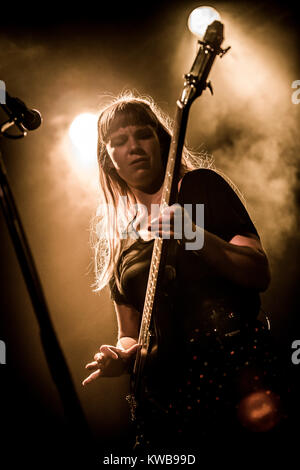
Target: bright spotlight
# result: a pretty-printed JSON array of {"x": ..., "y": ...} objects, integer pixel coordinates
[
  {"x": 200, "y": 19},
  {"x": 83, "y": 134}
]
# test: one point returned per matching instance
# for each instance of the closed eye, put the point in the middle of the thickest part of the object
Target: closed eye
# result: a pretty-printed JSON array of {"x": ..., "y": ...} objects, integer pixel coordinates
[
  {"x": 144, "y": 133},
  {"x": 117, "y": 141}
]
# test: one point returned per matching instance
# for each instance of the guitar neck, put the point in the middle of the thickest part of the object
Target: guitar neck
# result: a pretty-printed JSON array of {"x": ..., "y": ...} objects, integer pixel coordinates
[
  {"x": 170, "y": 186},
  {"x": 169, "y": 197}
]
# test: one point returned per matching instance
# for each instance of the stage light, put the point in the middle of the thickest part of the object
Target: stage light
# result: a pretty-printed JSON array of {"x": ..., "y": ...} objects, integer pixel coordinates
[
  {"x": 259, "y": 411},
  {"x": 200, "y": 19},
  {"x": 83, "y": 134}
]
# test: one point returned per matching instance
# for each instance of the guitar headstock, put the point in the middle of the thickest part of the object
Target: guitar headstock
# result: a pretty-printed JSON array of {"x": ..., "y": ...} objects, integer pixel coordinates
[{"x": 209, "y": 48}]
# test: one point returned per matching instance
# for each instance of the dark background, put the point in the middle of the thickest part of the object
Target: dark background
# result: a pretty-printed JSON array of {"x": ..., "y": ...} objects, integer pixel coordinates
[{"x": 61, "y": 60}]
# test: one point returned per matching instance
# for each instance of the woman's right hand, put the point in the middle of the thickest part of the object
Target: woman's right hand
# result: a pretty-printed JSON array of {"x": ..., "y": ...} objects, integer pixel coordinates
[{"x": 110, "y": 361}]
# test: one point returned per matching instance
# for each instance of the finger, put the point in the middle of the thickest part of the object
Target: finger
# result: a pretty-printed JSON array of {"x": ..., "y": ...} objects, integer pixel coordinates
[
  {"x": 175, "y": 214},
  {"x": 110, "y": 351},
  {"x": 166, "y": 225},
  {"x": 98, "y": 357},
  {"x": 158, "y": 228},
  {"x": 169, "y": 212},
  {"x": 165, "y": 216},
  {"x": 154, "y": 220},
  {"x": 168, "y": 219},
  {"x": 166, "y": 234},
  {"x": 92, "y": 365},
  {"x": 92, "y": 377},
  {"x": 161, "y": 223},
  {"x": 158, "y": 223},
  {"x": 132, "y": 349}
]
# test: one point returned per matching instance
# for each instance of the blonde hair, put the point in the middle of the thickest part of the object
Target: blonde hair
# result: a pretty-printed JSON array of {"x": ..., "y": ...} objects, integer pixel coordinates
[{"x": 114, "y": 214}]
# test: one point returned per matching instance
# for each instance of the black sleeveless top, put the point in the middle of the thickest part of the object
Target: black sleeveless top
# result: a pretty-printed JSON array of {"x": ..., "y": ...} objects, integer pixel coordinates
[{"x": 200, "y": 294}]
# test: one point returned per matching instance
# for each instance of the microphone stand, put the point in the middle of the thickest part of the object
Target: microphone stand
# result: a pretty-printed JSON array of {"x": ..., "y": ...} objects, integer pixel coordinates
[{"x": 78, "y": 428}]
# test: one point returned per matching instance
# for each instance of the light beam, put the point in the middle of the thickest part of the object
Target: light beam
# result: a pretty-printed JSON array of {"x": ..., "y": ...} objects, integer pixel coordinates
[{"x": 83, "y": 135}]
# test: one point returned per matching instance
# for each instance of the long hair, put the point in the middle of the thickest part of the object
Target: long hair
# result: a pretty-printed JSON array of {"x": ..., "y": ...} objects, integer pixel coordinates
[{"x": 115, "y": 212}]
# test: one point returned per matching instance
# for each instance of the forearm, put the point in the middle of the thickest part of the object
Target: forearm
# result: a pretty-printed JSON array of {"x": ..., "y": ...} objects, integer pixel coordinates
[{"x": 242, "y": 264}]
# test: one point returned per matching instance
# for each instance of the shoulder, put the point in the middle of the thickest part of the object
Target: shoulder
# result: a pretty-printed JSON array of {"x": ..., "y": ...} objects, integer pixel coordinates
[
  {"x": 208, "y": 179},
  {"x": 202, "y": 174},
  {"x": 211, "y": 186},
  {"x": 225, "y": 212},
  {"x": 198, "y": 173}
]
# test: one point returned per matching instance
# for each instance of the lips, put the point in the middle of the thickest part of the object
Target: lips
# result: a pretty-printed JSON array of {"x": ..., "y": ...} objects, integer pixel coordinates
[{"x": 139, "y": 160}]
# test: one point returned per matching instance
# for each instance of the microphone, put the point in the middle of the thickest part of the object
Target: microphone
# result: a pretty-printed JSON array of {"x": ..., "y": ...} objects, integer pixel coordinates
[{"x": 17, "y": 110}]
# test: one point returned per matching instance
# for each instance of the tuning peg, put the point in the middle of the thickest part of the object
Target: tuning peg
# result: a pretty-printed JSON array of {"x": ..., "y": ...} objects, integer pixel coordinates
[
  {"x": 223, "y": 51},
  {"x": 209, "y": 86}
]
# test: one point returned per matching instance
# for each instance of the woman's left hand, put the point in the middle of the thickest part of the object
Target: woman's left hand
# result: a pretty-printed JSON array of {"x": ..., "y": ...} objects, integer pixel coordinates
[
  {"x": 169, "y": 223},
  {"x": 175, "y": 222}
]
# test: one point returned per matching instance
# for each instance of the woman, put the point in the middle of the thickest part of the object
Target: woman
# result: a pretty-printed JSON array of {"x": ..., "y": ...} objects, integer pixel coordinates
[{"x": 216, "y": 347}]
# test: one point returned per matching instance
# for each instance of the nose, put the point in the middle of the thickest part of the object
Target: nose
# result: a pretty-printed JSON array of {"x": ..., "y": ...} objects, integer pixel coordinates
[{"x": 134, "y": 144}]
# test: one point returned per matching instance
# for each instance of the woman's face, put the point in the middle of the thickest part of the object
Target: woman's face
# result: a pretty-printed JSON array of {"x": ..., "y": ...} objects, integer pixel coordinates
[{"x": 135, "y": 153}]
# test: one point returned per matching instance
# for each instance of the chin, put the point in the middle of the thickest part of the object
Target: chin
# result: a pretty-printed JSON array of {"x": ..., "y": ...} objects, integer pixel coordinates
[{"x": 150, "y": 186}]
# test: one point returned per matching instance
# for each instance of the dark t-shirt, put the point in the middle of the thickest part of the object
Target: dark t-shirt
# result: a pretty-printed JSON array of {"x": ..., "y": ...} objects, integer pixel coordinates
[
  {"x": 216, "y": 352},
  {"x": 199, "y": 290}
]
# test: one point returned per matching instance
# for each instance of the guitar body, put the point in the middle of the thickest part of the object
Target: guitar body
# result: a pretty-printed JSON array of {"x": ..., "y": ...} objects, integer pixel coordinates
[{"x": 156, "y": 359}]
